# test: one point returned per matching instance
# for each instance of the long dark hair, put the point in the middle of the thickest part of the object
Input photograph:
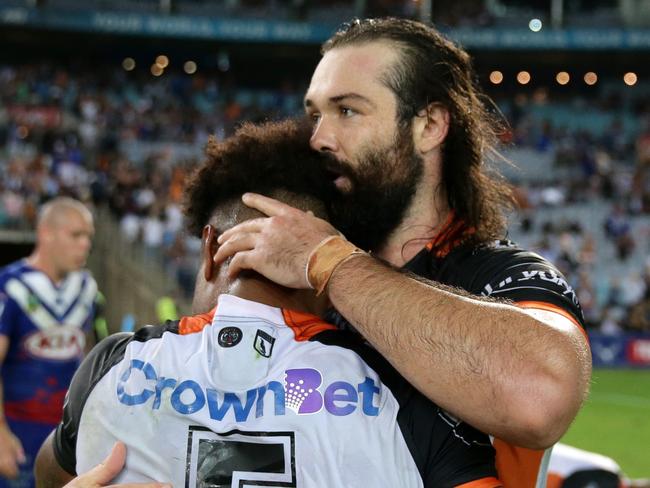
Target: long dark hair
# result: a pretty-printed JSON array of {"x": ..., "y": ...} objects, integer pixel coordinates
[{"x": 433, "y": 70}]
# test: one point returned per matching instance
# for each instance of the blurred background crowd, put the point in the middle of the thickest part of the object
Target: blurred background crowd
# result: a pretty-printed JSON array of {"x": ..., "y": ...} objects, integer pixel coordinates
[
  {"x": 122, "y": 135},
  {"x": 126, "y": 142}
]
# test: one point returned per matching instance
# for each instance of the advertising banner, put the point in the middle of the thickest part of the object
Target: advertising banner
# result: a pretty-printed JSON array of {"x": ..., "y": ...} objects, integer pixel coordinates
[{"x": 627, "y": 350}]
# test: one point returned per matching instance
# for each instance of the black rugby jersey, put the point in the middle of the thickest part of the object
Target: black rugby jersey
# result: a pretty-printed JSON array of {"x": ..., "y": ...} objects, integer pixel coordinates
[
  {"x": 500, "y": 269},
  {"x": 256, "y": 395}
]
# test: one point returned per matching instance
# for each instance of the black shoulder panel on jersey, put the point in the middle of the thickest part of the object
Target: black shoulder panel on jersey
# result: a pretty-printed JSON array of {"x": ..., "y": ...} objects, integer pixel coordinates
[
  {"x": 354, "y": 342},
  {"x": 500, "y": 270},
  {"x": 446, "y": 451},
  {"x": 106, "y": 354}
]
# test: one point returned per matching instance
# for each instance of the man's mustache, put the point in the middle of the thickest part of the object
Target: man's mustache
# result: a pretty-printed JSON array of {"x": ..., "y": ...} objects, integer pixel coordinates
[{"x": 339, "y": 167}]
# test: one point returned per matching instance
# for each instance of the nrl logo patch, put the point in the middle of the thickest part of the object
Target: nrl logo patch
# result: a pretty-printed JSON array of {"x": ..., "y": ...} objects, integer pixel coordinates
[
  {"x": 263, "y": 343},
  {"x": 32, "y": 302},
  {"x": 229, "y": 336}
]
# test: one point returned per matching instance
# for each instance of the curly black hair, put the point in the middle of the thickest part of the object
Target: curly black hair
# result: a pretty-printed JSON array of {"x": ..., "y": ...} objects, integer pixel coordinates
[{"x": 261, "y": 158}]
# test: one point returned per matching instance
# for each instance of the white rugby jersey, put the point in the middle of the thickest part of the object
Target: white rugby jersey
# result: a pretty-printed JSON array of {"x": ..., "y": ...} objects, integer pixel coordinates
[
  {"x": 584, "y": 468},
  {"x": 252, "y": 395}
]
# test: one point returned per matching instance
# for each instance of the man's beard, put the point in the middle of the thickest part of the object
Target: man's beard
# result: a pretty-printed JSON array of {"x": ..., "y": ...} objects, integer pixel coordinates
[{"x": 383, "y": 187}]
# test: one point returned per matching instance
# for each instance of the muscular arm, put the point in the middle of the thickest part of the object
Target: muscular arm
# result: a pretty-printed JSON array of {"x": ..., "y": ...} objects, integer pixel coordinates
[
  {"x": 520, "y": 376},
  {"x": 517, "y": 375},
  {"x": 48, "y": 472}
]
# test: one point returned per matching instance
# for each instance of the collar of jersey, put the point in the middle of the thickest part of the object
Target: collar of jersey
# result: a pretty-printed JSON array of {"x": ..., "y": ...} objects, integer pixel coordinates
[
  {"x": 231, "y": 304},
  {"x": 452, "y": 233}
]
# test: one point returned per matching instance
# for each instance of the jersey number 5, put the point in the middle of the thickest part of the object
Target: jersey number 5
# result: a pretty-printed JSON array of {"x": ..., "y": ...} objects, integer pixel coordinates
[{"x": 238, "y": 459}]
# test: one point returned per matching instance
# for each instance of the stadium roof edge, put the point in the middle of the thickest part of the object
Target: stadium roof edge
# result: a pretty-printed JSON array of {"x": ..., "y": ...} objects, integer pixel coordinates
[{"x": 270, "y": 31}]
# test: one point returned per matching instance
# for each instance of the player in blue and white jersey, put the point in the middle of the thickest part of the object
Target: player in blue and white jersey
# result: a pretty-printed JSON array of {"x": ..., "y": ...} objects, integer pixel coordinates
[
  {"x": 257, "y": 389},
  {"x": 46, "y": 308}
]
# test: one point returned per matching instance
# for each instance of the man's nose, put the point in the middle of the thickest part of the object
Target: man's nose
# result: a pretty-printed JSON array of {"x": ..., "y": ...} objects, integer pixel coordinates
[{"x": 324, "y": 137}]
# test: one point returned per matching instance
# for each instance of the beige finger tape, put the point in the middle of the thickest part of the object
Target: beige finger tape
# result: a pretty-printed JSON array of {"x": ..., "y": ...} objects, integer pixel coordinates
[{"x": 325, "y": 258}]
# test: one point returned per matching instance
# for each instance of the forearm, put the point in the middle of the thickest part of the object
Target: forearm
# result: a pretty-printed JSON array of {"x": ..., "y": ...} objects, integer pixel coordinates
[
  {"x": 11, "y": 451},
  {"x": 491, "y": 364},
  {"x": 47, "y": 471},
  {"x": 2, "y": 401}
]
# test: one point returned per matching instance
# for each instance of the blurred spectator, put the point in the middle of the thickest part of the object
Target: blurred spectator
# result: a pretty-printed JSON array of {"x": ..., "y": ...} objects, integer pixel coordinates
[
  {"x": 610, "y": 321},
  {"x": 130, "y": 227},
  {"x": 618, "y": 228},
  {"x": 153, "y": 230},
  {"x": 639, "y": 319}
]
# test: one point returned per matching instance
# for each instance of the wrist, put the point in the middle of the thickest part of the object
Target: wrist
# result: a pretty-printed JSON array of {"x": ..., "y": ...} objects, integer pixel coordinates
[{"x": 325, "y": 258}]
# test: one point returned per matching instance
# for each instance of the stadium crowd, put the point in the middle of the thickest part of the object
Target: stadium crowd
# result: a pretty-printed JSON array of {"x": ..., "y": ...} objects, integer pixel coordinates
[{"x": 127, "y": 141}]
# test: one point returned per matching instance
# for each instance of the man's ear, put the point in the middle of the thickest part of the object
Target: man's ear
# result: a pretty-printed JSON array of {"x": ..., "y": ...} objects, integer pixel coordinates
[
  {"x": 210, "y": 247},
  {"x": 430, "y": 127}
]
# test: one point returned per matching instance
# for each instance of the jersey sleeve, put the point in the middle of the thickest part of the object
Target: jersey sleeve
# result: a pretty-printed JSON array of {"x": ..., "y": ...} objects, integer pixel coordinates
[
  {"x": 507, "y": 272},
  {"x": 101, "y": 358},
  {"x": 453, "y": 452},
  {"x": 534, "y": 279}
]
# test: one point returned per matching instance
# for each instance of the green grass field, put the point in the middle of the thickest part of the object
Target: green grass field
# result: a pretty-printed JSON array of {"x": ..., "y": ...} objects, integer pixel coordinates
[{"x": 615, "y": 421}]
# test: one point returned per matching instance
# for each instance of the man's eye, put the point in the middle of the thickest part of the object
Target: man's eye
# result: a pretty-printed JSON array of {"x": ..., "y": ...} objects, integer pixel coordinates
[
  {"x": 347, "y": 111},
  {"x": 315, "y": 117}
]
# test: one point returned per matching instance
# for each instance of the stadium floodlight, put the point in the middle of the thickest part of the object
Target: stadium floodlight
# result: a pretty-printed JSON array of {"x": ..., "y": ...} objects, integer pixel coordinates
[
  {"x": 630, "y": 78},
  {"x": 496, "y": 77},
  {"x": 591, "y": 78},
  {"x": 535, "y": 25},
  {"x": 523, "y": 77},
  {"x": 156, "y": 70},
  {"x": 562, "y": 78},
  {"x": 162, "y": 61},
  {"x": 189, "y": 67},
  {"x": 128, "y": 64}
]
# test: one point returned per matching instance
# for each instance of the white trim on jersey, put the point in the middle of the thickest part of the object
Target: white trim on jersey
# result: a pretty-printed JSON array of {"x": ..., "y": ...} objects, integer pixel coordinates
[
  {"x": 56, "y": 298},
  {"x": 566, "y": 460},
  {"x": 37, "y": 284}
]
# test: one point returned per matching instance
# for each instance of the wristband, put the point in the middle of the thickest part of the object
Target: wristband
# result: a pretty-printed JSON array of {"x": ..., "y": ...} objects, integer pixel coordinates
[{"x": 325, "y": 258}]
